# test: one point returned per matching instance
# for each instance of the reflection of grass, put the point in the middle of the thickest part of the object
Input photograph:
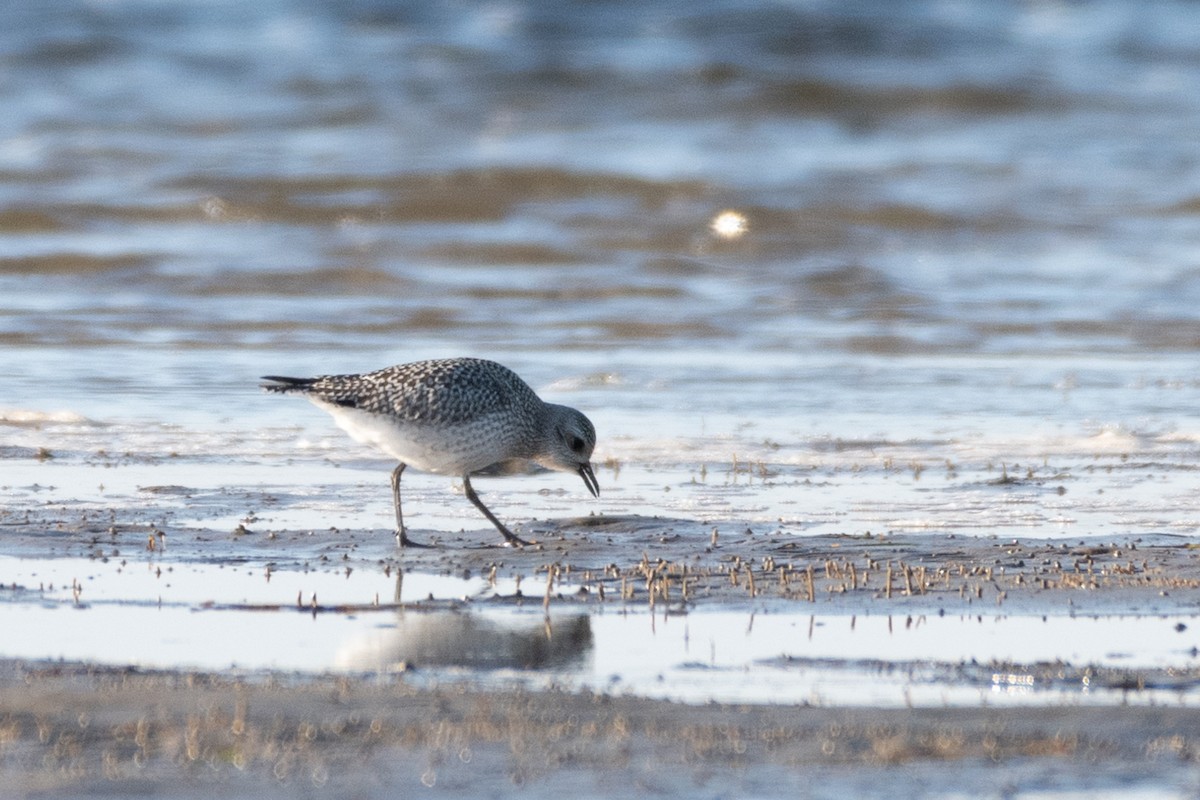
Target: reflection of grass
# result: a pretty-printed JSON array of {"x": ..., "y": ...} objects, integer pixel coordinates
[{"x": 751, "y": 469}]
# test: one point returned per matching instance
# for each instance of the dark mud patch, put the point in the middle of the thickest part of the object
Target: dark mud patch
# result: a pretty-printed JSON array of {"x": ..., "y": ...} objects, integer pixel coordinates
[{"x": 651, "y": 561}]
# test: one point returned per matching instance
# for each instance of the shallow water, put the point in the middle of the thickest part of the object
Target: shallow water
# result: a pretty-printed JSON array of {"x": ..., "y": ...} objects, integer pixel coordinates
[
  {"x": 821, "y": 268},
  {"x": 253, "y": 618}
]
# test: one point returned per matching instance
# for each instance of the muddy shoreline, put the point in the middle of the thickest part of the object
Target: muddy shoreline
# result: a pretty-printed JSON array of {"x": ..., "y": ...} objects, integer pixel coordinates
[{"x": 86, "y": 730}]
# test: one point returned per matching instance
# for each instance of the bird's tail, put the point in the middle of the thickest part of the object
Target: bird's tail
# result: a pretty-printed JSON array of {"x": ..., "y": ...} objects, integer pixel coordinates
[{"x": 283, "y": 385}]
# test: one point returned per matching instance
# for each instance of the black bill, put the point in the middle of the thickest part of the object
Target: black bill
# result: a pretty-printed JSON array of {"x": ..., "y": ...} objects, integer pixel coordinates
[{"x": 589, "y": 479}]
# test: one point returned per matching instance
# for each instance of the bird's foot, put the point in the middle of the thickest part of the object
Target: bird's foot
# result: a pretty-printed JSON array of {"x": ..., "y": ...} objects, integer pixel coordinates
[
  {"x": 512, "y": 540},
  {"x": 402, "y": 540}
]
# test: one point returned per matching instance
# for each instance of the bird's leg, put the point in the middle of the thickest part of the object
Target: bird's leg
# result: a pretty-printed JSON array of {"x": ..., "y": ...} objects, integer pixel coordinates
[
  {"x": 401, "y": 532},
  {"x": 509, "y": 536}
]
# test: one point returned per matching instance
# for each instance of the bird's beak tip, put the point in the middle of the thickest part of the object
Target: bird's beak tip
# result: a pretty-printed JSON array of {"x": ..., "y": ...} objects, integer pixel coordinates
[{"x": 589, "y": 479}]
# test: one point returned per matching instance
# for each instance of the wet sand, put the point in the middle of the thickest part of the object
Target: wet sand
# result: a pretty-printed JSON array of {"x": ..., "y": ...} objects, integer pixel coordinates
[{"x": 72, "y": 729}]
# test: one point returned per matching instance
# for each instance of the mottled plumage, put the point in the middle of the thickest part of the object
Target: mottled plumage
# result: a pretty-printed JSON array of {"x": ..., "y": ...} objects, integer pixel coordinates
[{"x": 452, "y": 416}]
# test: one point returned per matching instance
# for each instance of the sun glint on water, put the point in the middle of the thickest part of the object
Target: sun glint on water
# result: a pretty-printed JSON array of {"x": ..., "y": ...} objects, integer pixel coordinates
[{"x": 729, "y": 225}]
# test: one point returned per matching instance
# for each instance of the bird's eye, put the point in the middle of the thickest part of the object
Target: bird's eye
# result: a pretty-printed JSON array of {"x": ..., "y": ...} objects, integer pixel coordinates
[{"x": 576, "y": 444}]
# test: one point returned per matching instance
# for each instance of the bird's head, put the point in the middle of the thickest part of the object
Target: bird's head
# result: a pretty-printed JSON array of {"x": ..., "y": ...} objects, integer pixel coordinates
[{"x": 571, "y": 445}]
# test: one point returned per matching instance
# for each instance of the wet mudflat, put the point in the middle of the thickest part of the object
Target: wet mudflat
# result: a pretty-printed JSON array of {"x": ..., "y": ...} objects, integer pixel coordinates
[
  {"x": 188, "y": 607},
  {"x": 78, "y": 731},
  {"x": 629, "y": 653}
]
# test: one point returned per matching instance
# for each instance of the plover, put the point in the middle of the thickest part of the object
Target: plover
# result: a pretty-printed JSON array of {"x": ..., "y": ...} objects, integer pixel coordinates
[{"x": 452, "y": 416}]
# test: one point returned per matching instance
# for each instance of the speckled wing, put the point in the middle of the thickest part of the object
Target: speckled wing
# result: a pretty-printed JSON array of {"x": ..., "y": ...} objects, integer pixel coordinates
[{"x": 446, "y": 392}]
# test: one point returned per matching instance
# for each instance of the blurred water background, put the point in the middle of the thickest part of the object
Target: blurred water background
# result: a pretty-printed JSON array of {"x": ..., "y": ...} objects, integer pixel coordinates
[{"x": 829, "y": 266}]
